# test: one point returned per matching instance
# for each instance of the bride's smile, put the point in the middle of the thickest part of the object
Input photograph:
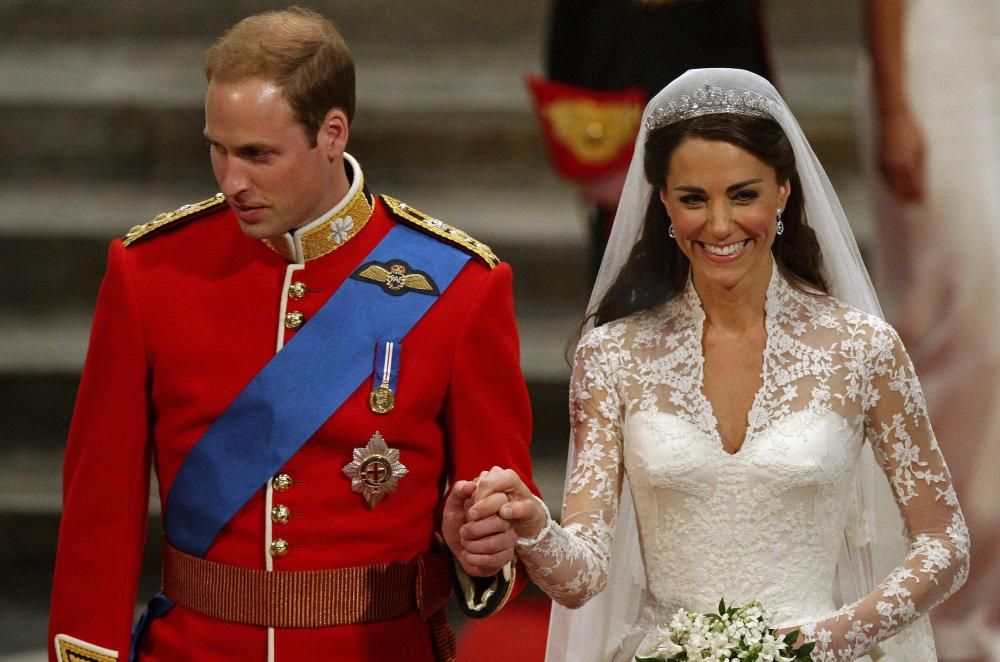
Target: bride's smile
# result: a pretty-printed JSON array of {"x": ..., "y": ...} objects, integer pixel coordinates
[
  {"x": 722, "y": 202},
  {"x": 726, "y": 252}
]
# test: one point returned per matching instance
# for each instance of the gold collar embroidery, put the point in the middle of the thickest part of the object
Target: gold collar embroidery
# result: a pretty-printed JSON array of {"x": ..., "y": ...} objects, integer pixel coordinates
[{"x": 331, "y": 231}]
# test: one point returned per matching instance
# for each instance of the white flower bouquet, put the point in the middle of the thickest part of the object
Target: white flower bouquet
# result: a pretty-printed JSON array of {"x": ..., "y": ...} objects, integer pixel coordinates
[{"x": 736, "y": 633}]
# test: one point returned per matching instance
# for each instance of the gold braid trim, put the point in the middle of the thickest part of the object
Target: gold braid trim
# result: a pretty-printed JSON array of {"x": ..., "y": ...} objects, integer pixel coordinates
[
  {"x": 71, "y": 649},
  {"x": 162, "y": 220},
  {"x": 306, "y": 598},
  {"x": 438, "y": 228}
]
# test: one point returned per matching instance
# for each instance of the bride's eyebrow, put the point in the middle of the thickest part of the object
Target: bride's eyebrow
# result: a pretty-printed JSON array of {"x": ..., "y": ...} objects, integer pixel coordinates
[
  {"x": 740, "y": 185},
  {"x": 729, "y": 189}
]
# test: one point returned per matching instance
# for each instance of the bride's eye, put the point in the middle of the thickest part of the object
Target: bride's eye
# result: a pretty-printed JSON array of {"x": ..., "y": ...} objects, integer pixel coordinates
[
  {"x": 692, "y": 199},
  {"x": 746, "y": 195}
]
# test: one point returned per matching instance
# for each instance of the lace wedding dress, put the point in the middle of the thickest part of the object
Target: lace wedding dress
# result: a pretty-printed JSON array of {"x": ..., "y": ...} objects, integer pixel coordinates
[{"x": 768, "y": 521}]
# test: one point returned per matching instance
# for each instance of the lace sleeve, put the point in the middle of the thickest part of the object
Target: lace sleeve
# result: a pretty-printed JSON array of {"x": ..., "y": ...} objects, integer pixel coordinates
[
  {"x": 937, "y": 561},
  {"x": 569, "y": 562}
]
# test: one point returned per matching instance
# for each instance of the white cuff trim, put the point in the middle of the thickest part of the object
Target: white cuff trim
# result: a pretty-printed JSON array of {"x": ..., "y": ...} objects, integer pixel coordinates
[{"x": 523, "y": 543}]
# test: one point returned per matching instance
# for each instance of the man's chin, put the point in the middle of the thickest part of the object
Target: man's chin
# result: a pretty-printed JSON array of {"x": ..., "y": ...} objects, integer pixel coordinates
[{"x": 260, "y": 230}]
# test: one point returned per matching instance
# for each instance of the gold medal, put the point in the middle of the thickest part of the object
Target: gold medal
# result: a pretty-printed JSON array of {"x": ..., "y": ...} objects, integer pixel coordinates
[
  {"x": 375, "y": 470},
  {"x": 381, "y": 400}
]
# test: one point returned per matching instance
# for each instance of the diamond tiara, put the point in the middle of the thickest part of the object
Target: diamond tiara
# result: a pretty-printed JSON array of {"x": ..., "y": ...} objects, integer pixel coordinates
[{"x": 711, "y": 100}]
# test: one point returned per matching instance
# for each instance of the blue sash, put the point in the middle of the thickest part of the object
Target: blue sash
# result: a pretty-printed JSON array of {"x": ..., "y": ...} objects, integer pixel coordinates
[{"x": 298, "y": 390}]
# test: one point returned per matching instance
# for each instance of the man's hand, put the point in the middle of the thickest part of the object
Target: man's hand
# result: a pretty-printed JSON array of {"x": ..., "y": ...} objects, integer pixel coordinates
[
  {"x": 501, "y": 492},
  {"x": 482, "y": 547}
]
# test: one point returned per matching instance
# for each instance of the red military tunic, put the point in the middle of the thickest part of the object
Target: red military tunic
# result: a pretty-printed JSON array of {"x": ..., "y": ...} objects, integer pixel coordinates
[{"x": 185, "y": 318}]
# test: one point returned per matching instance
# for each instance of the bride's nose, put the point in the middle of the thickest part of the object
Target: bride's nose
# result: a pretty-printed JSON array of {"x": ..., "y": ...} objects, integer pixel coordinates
[{"x": 720, "y": 221}]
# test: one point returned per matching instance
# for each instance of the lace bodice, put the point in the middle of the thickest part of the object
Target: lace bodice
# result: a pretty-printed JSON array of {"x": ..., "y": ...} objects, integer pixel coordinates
[{"x": 766, "y": 522}]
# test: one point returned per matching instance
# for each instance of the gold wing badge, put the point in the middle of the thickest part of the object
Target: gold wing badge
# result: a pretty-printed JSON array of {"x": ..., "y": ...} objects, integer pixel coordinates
[{"x": 396, "y": 277}]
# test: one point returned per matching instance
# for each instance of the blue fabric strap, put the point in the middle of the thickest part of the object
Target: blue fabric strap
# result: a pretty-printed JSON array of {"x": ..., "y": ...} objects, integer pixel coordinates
[
  {"x": 157, "y": 607},
  {"x": 298, "y": 390}
]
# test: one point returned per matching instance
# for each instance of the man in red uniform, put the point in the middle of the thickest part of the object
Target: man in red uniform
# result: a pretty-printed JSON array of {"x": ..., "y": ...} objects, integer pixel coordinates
[{"x": 307, "y": 366}]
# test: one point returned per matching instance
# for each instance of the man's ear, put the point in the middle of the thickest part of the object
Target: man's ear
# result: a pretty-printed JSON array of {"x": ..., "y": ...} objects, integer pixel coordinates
[{"x": 333, "y": 133}]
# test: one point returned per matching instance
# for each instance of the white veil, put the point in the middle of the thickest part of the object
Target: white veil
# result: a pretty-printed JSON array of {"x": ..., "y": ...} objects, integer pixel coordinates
[{"x": 875, "y": 543}]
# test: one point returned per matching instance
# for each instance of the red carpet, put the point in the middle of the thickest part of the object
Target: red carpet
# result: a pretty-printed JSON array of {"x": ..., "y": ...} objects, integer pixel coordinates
[{"x": 515, "y": 634}]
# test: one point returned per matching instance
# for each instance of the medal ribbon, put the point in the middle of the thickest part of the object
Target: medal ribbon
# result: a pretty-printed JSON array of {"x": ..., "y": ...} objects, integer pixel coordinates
[
  {"x": 387, "y": 364},
  {"x": 298, "y": 390}
]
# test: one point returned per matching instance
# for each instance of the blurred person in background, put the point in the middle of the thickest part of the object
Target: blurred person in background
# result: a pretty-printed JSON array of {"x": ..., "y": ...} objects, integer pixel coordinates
[
  {"x": 934, "y": 134},
  {"x": 606, "y": 59}
]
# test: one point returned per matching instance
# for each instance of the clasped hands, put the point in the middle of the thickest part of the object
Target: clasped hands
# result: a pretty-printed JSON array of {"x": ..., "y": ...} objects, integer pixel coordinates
[{"x": 483, "y": 518}]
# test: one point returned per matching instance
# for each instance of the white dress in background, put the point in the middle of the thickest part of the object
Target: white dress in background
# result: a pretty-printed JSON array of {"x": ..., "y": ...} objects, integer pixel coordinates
[
  {"x": 938, "y": 265},
  {"x": 767, "y": 522}
]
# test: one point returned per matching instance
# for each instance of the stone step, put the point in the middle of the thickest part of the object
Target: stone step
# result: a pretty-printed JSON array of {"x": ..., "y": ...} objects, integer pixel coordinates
[
  {"x": 26, "y": 582},
  {"x": 36, "y": 406},
  {"x": 138, "y": 145},
  {"x": 56, "y": 236},
  {"x": 132, "y": 110},
  {"x": 378, "y": 25},
  {"x": 125, "y": 109},
  {"x": 386, "y": 24}
]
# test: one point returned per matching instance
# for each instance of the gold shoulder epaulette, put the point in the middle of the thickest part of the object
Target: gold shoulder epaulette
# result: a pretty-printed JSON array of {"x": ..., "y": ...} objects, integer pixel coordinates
[
  {"x": 187, "y": 212},
  {"x": 439, "y": 228}
]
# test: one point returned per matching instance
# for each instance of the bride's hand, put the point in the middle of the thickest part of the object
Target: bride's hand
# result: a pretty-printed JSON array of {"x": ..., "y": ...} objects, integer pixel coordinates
[
  {"x": 781, "y": 632},
  {"x": 502, "y": 492}
]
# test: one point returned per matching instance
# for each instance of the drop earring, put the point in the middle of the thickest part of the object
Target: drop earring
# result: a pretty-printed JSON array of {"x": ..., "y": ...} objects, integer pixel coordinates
[
  {"x": 780, "y": 227},
  {"x": 670, "y": 231}
]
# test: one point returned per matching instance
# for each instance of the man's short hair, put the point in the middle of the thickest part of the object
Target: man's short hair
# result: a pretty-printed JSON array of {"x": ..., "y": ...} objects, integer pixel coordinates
[{"x": 300, "y": 50}]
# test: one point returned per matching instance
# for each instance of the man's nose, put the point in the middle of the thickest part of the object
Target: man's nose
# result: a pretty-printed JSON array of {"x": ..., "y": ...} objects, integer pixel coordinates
[{"x": 232, "y": 178}]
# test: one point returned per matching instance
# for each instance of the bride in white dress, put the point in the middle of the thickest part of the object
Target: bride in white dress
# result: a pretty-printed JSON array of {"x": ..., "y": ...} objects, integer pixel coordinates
[{"x": 733, "y": 424}]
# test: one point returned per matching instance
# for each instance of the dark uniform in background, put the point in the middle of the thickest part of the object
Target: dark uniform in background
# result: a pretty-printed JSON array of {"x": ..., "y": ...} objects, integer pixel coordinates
[{"x": 614, "y": 45}]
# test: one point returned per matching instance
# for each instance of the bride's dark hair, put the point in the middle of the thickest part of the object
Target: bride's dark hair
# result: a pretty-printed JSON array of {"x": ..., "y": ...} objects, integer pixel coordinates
[{"x": 657, "y": 270}]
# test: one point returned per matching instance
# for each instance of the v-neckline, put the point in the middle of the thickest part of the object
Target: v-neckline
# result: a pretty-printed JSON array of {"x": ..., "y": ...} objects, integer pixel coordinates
[
  {"x": 748, "y": 429},
  {"x": 699, "y": 338}
]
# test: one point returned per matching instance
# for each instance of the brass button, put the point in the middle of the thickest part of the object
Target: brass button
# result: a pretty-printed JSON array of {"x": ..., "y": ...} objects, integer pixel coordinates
[
  {"x": 279, "y": 548},
  {"x": 281, "y": 483},
  {"x": 280, "y": 514},
  {"x": 595, "y": 132},
  {"x": 296, "y": 290},
  {"x": 294, "y": 319}
]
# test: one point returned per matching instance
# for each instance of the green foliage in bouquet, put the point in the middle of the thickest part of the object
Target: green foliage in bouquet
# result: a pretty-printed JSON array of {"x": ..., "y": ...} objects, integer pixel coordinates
[{"x": 735, "y": 633}]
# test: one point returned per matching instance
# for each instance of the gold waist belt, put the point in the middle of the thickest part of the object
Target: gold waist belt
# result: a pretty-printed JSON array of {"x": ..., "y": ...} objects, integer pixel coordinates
[{"x": 313, "y": 598}]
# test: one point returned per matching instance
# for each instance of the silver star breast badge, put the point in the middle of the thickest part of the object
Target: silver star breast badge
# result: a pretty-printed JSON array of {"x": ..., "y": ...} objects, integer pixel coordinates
[{"x": 375, "y": 470}]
